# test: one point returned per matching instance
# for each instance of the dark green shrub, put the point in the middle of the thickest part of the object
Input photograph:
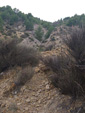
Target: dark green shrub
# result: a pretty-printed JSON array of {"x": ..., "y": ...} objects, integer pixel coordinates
[
  {"x": 51, "y": 28},
  {"x": 1, "y": 24},
  {"x": 39, "y": 33}
]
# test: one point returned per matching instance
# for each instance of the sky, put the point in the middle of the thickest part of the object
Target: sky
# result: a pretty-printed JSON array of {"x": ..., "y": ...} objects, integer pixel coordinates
[{"x": 49, "y": 10}]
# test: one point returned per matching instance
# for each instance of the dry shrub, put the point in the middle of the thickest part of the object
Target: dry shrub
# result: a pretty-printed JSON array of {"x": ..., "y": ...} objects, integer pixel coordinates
[
  {"x": 76, "y": 44},
  {"x": 26, "y": 56},
  {"x": 57, "y": 63},
  {"x": 6, "y": 50},
  {"x": 21, "y": 78},
  {"x": 70, "y": 69},
  {"x": 69, "y": 78},
  {"x": 12, "y": 54},
  {"x": 24, "y": 76}
]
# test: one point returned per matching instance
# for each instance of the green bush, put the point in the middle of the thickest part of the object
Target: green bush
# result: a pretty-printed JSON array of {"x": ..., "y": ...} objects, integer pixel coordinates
[
  {"x": 1, "y": 23},
  {"x": 39, "y": 33},
  {"x": 51, "y": 28}
]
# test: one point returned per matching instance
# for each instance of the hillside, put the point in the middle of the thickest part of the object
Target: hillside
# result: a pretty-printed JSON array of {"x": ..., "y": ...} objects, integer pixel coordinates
[
  {"x": 42, "y": 64},
  {"x": 15, "y": 24},
  {"x": 37, "y": 96},
  {"x": 76, "y": 20},
  {"x": 31, "y": 30}
]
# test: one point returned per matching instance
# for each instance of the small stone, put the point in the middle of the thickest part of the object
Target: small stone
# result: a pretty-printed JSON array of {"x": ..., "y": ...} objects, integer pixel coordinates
[
  {"x": 46, "y": 83},
  {"x": 49, "y": 97},
  {"x": 47, "y": 87},
  {"x": 26, "y": 108},
  {"x": 28, "y": 100},
  {"x": 37, "y": 70},
  {"x": 15, "y": 96},
  {"x": 41, "y": 86},
  {"x": 3, "y": 105},
  {"x": 18, "y": 104},
  {"x": 37, "y": 105},
  {"x": 15, "y": 92},
  {"x": 39, "y": 91},
  {"x": 39, "y": 101},
  {"x": 33, "y": 103},
  {"x": 33, "y": 94},
  {"x": 33, "y": 98}
]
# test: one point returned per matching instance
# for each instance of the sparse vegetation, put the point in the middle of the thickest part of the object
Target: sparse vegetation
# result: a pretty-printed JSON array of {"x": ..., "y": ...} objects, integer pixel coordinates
[
  {"x": 69, "y": 69},
  {"x": 77, "y": 45},
  {"x": 12, "y": 54},
  {"x": 66, "y": 68},
  {"x": 26, "y": 56},
  {"x": 6, "y": 51},
  {"x": 23, "y": 76}
]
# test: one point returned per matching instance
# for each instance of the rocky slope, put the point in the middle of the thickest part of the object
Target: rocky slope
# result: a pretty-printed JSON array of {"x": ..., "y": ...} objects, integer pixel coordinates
[{"x": 37, "y": 96}]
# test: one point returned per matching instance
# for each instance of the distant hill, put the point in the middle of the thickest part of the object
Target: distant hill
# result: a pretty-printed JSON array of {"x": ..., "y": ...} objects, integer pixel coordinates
[
  {"x": 11, "y": 18},
  {"x": 76, "y": 20},
  {"x": 33, "y": 31}
]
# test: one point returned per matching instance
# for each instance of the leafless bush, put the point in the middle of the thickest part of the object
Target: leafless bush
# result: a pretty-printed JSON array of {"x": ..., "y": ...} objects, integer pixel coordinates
[
  {"x": 26, "y": 56},
  {"x": 23, "y": 76},
  {"x": 67, "y": 77},
  {"x": 77, "y": 45},
  {"x": 57, "y": 63},
  {"x": 6, "y": 50},
  {"x": 12, "y": 54},
  {"x": 70, "y": 69}
]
